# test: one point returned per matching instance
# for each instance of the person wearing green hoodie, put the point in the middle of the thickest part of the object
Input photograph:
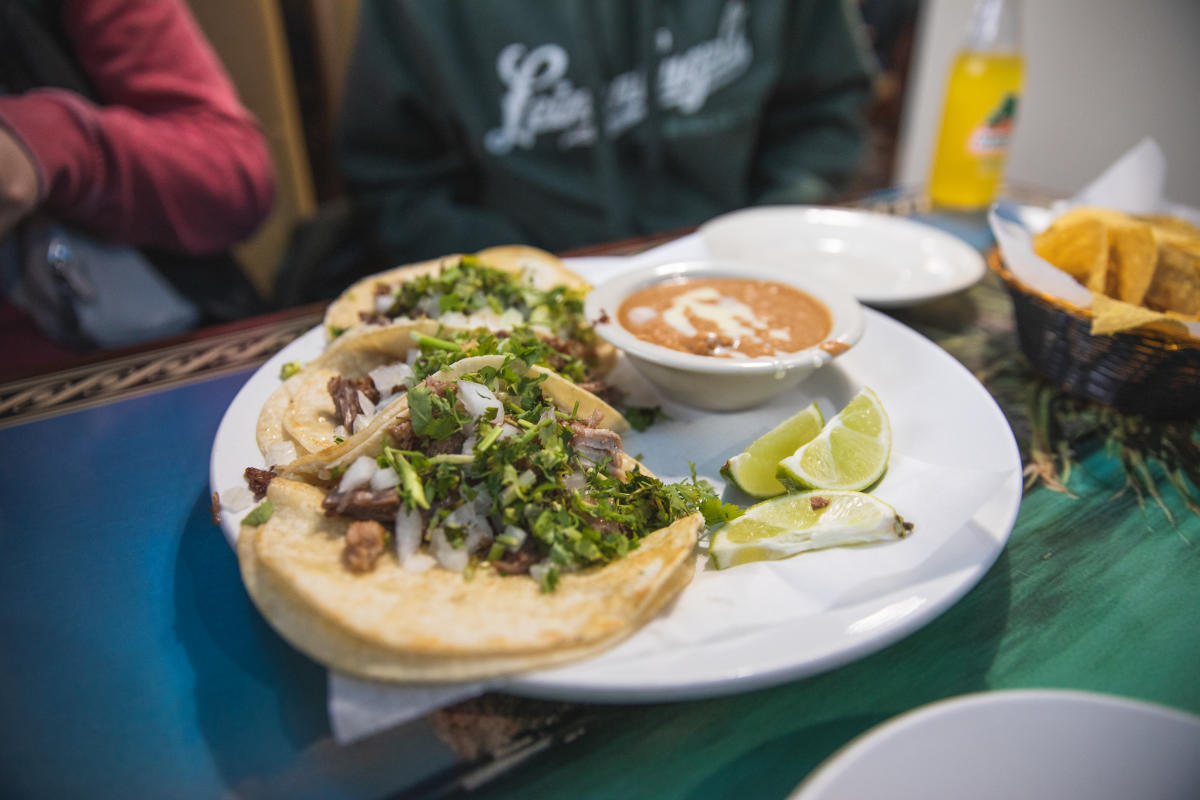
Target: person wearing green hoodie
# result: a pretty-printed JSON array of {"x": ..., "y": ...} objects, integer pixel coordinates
[{"x": 470, "y": 123}]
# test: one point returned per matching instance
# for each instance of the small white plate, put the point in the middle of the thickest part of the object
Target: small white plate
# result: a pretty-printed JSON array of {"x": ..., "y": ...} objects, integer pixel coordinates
[
  {"x": 884, "y": 261},
  {"x": 1026, "y": 744}
]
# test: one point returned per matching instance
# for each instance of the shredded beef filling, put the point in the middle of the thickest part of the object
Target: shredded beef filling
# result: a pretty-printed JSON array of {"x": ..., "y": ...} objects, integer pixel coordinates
[
  {"x": 596, "y": 444},
  {"x": 374, "y": 317},
  {"x": 516, "y": 563},
  {"x": 365, "y": 543},
  {"x": 258, "y": 480},
  {"x": 401, "y": 435},
  {"x": 380, "y": 505},
  {"x": 344, "y": 392}
]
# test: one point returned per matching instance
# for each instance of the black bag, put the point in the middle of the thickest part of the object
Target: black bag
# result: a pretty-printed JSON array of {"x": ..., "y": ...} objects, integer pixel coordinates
[{"x": 85, "y": 293}]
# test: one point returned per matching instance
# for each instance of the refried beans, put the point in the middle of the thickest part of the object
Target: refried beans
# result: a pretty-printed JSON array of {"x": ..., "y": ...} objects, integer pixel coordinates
[{"x": 730, "y": 317}]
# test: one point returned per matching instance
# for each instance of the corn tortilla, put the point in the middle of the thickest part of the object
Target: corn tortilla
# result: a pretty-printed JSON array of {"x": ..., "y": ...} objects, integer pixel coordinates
[{"x": 437, "y": 625}]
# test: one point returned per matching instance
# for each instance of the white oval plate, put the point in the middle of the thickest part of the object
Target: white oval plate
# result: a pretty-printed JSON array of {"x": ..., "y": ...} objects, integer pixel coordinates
[
  {"x": 764, "y": 624},
  {"x": 884, "y": 261},
  {"x": 1027, "y": 744}
]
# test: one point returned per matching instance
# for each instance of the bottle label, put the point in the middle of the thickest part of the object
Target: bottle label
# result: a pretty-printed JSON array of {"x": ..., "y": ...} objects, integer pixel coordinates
[{"x": 990, "y": 138}]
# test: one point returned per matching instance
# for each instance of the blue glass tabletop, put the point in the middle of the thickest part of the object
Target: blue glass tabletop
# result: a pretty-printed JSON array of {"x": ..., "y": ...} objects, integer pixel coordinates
[{"x": 133, "y": 663}]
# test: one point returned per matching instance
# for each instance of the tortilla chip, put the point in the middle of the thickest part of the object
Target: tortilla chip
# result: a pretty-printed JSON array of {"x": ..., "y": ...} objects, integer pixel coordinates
[
  {"x": 1112, "y": 316},
  {"x": 1078, "y": 245},
  {"x": 1173, "y": 225},
  {"x": 1176, "y": 283},
  {"x": 1132, "y": 254}
]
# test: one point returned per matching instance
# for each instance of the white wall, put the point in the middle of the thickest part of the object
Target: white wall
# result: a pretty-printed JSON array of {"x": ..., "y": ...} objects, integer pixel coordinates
[{"x": 1100, "y": 75}]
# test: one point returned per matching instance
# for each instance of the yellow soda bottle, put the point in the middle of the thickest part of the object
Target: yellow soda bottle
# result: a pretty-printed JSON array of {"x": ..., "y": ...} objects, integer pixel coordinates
[{"x": 982, "y": 94}]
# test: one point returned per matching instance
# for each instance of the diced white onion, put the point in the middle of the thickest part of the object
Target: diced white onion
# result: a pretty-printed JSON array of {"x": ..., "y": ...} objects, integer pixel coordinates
[
  {"x": 236, "y": 498},
  {"x": 383, "y": 302},
  {"x": 340, "y": 430},
  {"x": 389, "y": 376},
  {"x": 575, "y": 481},
  {"x": 539, "y": 570},
  {"x": 384, "y": 478},
  {"x": 358, "y": 474},
  {"x": 281, "y": 453},
  {"x": 456, "y": 318},
  {"x": 508, "y": 430},
  {"x": 360, "y": 421},
  {"x": 408, "y": 535},
  {"x": 511, "y": 318},
  {"x": 518, "y": 534},
  {"x": 368, "y": 408},
  {"x": 484, "y": 319},
  {"x": 412, "y": 356},
  {"x": 452, "y": 558},
  {"x": 470, "y": 517},
  {"x": 477, "y": 399},
  {"x": 468, "y": 445},
  {"x": 431, "y": 305}
]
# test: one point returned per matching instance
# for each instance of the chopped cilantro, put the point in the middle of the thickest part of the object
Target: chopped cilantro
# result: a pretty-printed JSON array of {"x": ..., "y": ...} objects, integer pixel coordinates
[
  {"x": 288, "y": 370},
  {"x": 642, "y": 417},
  {"x": 425, "y": 341},
  {"x": 259, "y": 514},
  {"x": 526, "y": 477},
  {"x": 697, "y": 495},
  {"x": 549, "y": 580},
  {"x": 335, "y": 331},
  {"x": 526, "y": 472},
  {"x": 410, "y": 487},
  {"x": 433, "y": 415},
  {"x": 522, "y": 342},
  {"x": 469, "y": 287}
]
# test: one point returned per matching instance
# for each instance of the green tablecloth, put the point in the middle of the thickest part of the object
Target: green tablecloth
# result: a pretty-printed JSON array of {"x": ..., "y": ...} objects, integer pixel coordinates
[{"x": 1095, "y": 592}]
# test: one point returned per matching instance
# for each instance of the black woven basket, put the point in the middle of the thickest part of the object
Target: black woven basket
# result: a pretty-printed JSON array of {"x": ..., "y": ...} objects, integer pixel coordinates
[{"x": 1150, "y": 373}]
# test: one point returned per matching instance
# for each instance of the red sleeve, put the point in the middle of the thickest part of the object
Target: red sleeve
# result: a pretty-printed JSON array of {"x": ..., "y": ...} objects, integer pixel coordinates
[{"x": 171, "y": 159}]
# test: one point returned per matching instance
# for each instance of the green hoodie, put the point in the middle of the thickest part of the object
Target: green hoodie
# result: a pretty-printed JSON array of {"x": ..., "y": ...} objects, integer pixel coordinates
[{"x": 469, "y": 123}]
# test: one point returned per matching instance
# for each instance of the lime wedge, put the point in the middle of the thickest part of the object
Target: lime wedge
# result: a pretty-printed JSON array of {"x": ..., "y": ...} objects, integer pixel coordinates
[
  {"x": 851, "y": 452},
  {"x": 796, "y": 523},
  {"x": 754, "y": 470}
]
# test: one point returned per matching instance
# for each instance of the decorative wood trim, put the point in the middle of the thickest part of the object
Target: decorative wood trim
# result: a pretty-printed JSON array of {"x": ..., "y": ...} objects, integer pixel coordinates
[{"x": 90, "y": 385}]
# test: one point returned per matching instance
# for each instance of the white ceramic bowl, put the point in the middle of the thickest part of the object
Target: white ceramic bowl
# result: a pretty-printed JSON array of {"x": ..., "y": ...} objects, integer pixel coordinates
[{"x": 716, "y": 383}]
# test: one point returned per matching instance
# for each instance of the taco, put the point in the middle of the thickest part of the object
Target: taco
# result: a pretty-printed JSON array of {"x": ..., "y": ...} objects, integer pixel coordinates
[
  {"x": 497, "y": 288},
  {"x": 492, "y": 525},
  {"x": 337, "y": 395}
]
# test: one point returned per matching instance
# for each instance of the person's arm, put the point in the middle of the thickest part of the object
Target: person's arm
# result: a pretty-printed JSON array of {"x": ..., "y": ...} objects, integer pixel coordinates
[
  {"x": 171, "y": 159},
  {"x": 814, "y": 130},
  {"x": 18, "y": 182},
  {"x": 399, "y": 153}
]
